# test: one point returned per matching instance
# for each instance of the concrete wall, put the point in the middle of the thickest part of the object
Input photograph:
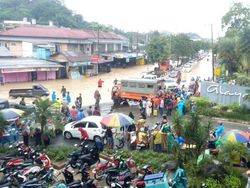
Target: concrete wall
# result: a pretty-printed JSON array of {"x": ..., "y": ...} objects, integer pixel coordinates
[
  {"x": 224, "y": 94},
  {"x": 15, "y": 48}
]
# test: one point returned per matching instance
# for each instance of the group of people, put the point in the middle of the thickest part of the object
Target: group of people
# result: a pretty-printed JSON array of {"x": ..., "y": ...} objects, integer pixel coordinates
[
  {"x": 165, "y": 103},
  {"x": 75, "y": 112}
]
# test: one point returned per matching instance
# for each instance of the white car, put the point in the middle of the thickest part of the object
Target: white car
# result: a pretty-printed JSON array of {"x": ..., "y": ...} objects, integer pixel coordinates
[
  {"x": 187, "y": 68},
  {"x": 170, "y": 83},
  {"x": 91, "y": 124}
]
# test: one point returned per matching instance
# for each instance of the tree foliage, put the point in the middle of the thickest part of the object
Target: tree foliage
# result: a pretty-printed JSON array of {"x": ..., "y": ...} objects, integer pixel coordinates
[
  {"x": 158, "y": 49},
  {"x": 234, "y": 49},
  {"x": 43, "y": 112},
  {"x": 181, "y": 46},
  {"x": 227, "y": 49},
  {"x": 236, "y": 19}
]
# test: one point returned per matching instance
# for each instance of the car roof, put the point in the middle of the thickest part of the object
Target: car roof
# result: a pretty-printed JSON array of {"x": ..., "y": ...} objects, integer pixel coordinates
[{"x": 96, "y": 119}]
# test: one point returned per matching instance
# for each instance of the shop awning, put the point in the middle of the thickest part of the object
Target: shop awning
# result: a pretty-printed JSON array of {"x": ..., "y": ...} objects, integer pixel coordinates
[{"x": 80, "y": 64}]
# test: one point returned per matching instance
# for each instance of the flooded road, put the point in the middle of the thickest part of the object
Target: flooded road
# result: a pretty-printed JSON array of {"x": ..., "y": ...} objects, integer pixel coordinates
[
  {"x": 84, "y": 85},
  {"x": 87, "y": 85}
]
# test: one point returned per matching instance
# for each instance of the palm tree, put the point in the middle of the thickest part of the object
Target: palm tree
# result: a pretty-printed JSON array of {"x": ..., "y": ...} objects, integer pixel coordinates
[
  {"x": 2, "y": 120},
  {"x": 43, "y": 112},
  {"x": 178, "y": 124}
]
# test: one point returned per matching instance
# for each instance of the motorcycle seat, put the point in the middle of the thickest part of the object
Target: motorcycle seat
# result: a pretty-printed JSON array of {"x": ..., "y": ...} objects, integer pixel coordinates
[
  {"x": 76, "y": 182},
  {"x": 89, "y": 182},
  {"x": 31, "y": 181}
]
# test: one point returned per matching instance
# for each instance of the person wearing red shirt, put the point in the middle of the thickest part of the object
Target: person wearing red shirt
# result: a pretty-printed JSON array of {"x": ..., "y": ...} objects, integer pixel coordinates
[
  {"x": 45, "y": 160},
  {"x": 84, "y": 134},
  {"x": 100, "y": 82}
]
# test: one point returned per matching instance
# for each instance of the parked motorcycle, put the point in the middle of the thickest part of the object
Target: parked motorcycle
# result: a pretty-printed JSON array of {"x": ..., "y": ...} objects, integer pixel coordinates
[
  {"x": 123, "y": 173},
  {"x": 78, "y": 160},
  {"x": 99, "y": 171}
]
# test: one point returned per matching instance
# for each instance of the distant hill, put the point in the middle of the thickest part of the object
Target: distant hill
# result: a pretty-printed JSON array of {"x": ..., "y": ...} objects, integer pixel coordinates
[
  {"x": 194, "y": 36},
  {"x": 44, "y": 11}
]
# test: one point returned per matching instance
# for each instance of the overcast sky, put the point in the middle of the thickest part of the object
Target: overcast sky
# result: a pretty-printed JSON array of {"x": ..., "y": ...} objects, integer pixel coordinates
[{"x": 163, "y": 15}]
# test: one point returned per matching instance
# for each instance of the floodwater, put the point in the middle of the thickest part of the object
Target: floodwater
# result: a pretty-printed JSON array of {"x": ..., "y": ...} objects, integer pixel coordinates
[{"x": 87, "y": 85}]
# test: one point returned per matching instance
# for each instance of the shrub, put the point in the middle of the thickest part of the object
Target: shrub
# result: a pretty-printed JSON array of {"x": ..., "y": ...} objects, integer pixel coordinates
[
  {"x": 212, "y": 183},
  {"x": 232, "y": 182},
  {"x": 235, "y": 107},
  {"x": 59, "y": 153},
  {"x": 224, "y": 108},
  {"x": 146, "y": 157}
]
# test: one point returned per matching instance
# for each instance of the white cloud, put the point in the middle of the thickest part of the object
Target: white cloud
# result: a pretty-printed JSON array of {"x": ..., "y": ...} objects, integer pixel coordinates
[{"x": 163, "y": 15}]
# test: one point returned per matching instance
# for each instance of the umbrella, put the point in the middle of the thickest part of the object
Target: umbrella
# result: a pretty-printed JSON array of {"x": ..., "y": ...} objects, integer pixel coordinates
[
  {"x": 235, "y": 136},
  {"x": 117, "y": 120},
  {"x": 11, "y": 113}
]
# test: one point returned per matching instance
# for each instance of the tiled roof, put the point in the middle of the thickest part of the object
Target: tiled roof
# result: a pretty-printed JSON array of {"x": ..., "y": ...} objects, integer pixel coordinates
[
  {"x": 55, "y": 32},
  {"x": 20, "y": 63},
  {"x": 46, "y": 32}
]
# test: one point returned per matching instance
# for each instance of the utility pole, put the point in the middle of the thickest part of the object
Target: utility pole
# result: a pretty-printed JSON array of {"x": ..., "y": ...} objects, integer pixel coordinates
[
  {"x": 137, "y": 45},
  {"x": 212, "y": 42},
  {"x": 98, "y": 50}
]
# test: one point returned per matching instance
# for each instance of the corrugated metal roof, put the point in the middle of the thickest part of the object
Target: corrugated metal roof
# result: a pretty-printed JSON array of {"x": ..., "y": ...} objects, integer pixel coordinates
[
  {"x": 76, "y": 56},
  {"x": 16, "y": 63}
]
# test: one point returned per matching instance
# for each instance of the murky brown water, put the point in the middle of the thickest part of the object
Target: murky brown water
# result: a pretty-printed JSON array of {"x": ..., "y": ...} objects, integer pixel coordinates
[
  {"x": 88, "y": 85},
  {"x": 84, "y": 85}
]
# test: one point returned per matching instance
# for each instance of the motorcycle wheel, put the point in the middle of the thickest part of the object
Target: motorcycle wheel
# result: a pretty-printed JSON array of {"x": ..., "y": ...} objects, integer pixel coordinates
[
  {"x": 73, "y": 165},
  {"x": 98, "y": 176},
  {"x": 109, "y": 179},
  {"x": 120, "y": 144}
]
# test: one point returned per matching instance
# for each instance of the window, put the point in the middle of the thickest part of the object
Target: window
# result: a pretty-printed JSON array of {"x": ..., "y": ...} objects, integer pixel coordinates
[
  {"x": 92, "y": 125},
  {"x": 80, "y": 124},
  {"x": 141, "y": 85},
  {"x": 124, "y": 84},
  {"x": 150, "y": 86},
  {"x": 132, "y": 84}
]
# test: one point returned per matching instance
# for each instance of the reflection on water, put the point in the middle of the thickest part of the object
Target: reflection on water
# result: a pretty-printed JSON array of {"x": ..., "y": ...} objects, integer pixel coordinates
[{"x": 84, "y": 85}]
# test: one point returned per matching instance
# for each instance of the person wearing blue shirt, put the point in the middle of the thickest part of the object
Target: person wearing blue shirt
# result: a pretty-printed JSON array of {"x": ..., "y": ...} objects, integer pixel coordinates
[
  {"x": 68, "y": 98},
  {"x": 219, "y": 130},
  {"x": 80, "y": 114},
  {"x": 53, "y": 96}
]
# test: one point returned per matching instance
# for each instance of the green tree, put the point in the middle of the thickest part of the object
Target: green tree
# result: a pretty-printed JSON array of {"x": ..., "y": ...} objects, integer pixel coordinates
[
  {"x": 196, "y": 133},
  {"x": 158, "y": 49},
  {"x": 231, "y": 151},
  {"x": 228, "y": 53},
  {"x": 2, "y": 120},
  {"x": 43, "y": 112},
  {"x": 178, "y": 122},
  {"x": 181, "y": 46},
  {"x": 244, "y": 49},
  {"x": 236, "y": 19}
]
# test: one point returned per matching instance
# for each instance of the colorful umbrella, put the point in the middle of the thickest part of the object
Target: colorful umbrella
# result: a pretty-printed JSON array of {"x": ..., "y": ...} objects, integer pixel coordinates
[
  {"x": 235, "y": 136},
  {"x": 117, "y": 120},
  {"x": 11, "y": 113}
]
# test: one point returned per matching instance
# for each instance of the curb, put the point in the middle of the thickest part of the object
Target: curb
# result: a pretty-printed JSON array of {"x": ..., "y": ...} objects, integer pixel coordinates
[{"x": 223, "y": 119}]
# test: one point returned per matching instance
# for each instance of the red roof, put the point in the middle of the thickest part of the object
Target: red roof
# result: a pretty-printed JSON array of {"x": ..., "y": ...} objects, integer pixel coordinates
[{"x": 55, "y": 32}]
